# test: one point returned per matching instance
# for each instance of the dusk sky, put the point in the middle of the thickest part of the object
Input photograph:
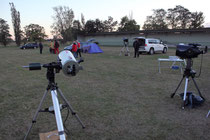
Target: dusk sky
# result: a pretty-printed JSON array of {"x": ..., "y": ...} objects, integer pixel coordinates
[{"x": 41, "y": 11}]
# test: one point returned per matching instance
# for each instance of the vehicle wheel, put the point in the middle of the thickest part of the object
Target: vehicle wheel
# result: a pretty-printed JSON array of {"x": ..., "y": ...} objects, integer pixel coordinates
[
  {"x": 151, "y": 51},
  {"x": 140, "y": 52},
  {"x": 164, "y": 50},
  {"x": 24, "y": 48},
  {"x": 34, "y": 47}
]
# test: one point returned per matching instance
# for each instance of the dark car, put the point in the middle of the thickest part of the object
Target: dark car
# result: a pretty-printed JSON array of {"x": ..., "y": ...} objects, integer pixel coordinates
[{"x": 29, "y": 46}]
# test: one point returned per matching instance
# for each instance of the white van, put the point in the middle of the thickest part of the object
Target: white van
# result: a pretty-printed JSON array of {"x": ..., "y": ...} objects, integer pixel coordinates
[{"x": 151, "y": 45}]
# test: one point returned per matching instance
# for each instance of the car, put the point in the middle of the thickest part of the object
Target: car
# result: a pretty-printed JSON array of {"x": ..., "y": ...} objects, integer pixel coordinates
[
  {"x": 68, "y": 47},
  {"x": 151, "y": 45},
  {"x": 29, "y": 46}
]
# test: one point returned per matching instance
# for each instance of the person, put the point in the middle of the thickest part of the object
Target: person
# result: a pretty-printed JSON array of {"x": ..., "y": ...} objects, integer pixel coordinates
[
  {"x": 40, "y": 47},
  {"x": 51, "y": 48},
  {"x": 136, "y": 45},
  {"x": 74, "y": 49},
  {"x": 56, "y": 46},
  {"x": 78, "y": 49}
]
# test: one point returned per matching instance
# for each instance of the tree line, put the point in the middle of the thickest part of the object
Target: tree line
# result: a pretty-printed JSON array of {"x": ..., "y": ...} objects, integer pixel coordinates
[
  {"x": 174, "y": 18},
  {"x": 66, "y": 28}
]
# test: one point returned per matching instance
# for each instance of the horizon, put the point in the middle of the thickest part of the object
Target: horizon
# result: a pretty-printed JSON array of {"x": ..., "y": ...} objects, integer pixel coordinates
[{"x": 92, "y": 9}]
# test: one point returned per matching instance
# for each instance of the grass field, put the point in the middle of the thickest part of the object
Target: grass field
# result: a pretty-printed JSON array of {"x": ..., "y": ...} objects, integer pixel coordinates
[{"x": 116, "y": 97}]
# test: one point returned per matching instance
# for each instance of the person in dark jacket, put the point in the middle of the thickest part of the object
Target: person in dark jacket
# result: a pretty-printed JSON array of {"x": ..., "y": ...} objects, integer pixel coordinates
[
  {"x": 56, "y": 46},
  {"x": 136, "y": 45},
  {"x": 40, "y": 47}
]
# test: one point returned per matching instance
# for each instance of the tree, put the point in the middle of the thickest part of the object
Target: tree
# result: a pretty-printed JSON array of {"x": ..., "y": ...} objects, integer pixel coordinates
[
  {"x": 174, "y": 18},
  {"x": 183, "y": 17},
  {"x": 82, "y": 22},
  {"x": 156, "y": 21},
  {"x": 149, "y": 23},
  {"x": 179, "y": 17},
  {"x": 99, "y": 25},
  {"x": 128, "y": 25},
  {"x": 197, "y": 19},
  {"x": 63, "y": 22},
  {"x": 122, "y": 23},
  {"x": 109, "y": 25},
  {"x": 16, "y": 23},
  {"x": 34, "y": 32},
  {"x": 4, "y": 32},
  {"x": 77, "y": 28},
  {"x": 90, "y": 26}
]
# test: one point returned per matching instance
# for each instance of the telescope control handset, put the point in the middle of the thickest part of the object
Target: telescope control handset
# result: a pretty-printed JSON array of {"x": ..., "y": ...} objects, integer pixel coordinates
[{"x": 67, "y": 62}]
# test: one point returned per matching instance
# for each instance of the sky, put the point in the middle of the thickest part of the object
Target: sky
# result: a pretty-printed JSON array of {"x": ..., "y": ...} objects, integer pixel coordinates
[{"x": 41, "y": 11}]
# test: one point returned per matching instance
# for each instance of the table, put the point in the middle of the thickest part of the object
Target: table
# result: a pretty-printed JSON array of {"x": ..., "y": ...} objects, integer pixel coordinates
[{"x": 173, "y": 59}]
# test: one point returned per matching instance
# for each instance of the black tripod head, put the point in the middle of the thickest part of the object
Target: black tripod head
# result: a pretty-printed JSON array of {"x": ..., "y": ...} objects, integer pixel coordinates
[
  {"x": 188, "y": 70},
  {"x": 52, "y": 68}
]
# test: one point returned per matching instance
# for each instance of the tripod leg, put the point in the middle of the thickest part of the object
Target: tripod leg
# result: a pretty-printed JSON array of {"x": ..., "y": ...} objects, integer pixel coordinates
[
  {"x": 70, "y": 108},
  {"x": 36, "y": 115},
  {"x": 128, "y": 52},
  {"x": 185, "y": 93},
  {"x": 122, "y": 50},
  {"x": 197, "y": 88},
  {"x": 172, "y": 95},
  {"x": 58, "y": 115}
]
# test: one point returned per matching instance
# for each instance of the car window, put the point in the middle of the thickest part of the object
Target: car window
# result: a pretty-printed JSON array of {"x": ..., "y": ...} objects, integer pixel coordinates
[{"x": 152, "y": 41}]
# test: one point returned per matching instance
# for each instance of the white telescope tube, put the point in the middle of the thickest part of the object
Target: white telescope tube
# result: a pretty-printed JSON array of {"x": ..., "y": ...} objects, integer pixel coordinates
[{"x": 69, "y": 63}]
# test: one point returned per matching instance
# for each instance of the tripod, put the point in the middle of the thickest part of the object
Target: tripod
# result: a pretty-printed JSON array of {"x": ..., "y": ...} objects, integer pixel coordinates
[
  {"x": 125, "y": 49},
  {"x": 53, "y": 88},
  {"x": 187, "y": 74}
]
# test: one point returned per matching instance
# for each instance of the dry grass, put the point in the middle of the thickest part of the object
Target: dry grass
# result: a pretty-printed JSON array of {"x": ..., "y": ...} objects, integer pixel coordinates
[{"x": 117, "y": 97}]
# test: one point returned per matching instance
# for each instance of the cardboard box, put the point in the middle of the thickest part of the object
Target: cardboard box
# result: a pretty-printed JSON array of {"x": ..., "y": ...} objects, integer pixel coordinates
[{"x": 53, "y": 135}]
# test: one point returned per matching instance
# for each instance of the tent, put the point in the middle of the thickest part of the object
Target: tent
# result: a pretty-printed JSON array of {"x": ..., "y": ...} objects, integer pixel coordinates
[{"x": 91, "y": 48}]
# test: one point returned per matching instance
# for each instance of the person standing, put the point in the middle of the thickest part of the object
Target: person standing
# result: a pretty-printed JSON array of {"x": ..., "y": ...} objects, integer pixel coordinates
[
  {"x": 78, "y": 49},
  {"x": 136, "y": 45},
  {"x": 56, "y": 46},
  {"x": 51, "y": 48},
  {"x": 40, "y": 47},
  {"x": 74, "y": 49}
]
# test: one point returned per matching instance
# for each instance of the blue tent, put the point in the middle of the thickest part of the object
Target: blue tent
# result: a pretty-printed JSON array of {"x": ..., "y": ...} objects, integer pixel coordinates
[{"x": 91, "y": 48}]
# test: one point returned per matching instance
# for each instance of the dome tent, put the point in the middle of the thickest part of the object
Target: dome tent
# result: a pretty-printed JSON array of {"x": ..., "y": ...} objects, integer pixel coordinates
[{"x": 91, "y": 47}]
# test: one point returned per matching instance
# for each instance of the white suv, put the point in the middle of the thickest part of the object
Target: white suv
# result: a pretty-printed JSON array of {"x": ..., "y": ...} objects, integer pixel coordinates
[{"x": 151, "y": 45}]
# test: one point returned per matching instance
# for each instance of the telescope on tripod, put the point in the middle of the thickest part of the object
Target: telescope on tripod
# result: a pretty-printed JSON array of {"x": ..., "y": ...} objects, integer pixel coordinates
[
  {"x": 70, "y": 67},
  {"x": 188, "y": 52},
  {"x": 125, "y": 49}
]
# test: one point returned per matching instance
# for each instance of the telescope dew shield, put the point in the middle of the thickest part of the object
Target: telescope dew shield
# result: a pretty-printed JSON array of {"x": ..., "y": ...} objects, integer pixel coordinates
[{"x": 70, "y": 67}]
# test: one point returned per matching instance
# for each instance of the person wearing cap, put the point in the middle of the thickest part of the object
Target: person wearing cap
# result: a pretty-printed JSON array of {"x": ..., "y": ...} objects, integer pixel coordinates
[
  {"x": 78, "y": 49},
  {"x": 74, "y": 49}
]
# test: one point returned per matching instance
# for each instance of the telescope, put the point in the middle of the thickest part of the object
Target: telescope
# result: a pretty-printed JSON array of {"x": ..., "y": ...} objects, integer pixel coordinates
[
  {"x": 189, "y": 51},
  {"x": 70, "y": 67},
  {"x": 66, "y": 61}
]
